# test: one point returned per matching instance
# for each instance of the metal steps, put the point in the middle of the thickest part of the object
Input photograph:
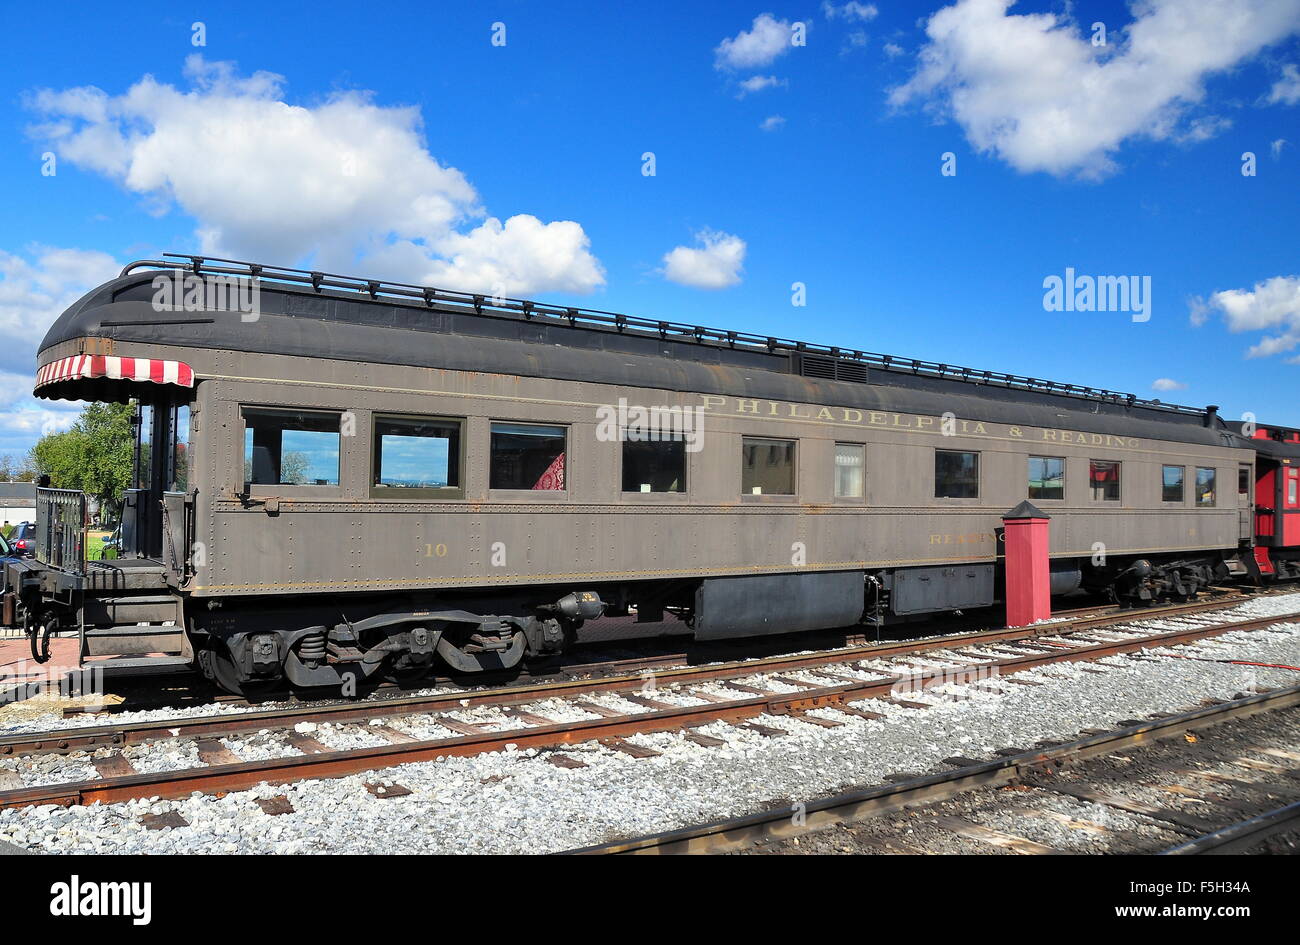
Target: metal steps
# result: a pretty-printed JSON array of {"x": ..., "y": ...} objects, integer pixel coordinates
[
  {"x": 133, "y": 640},
  {"x": 122, "y": 609},
  {"x": 139, "y": 666}
]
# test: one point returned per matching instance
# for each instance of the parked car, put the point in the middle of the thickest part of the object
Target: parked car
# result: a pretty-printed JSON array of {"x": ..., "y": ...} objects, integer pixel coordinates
[
  {"x": 7, "y": 550},
  {"x": 24, "y": 539}
]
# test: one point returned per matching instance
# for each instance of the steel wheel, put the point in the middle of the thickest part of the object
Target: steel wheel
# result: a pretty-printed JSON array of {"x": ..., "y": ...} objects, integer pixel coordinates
[{"x": 226, "y": 675}]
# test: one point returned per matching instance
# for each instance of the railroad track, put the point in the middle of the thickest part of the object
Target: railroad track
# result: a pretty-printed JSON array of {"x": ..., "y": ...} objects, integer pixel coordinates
[
  {"x": 1037, "y": 769},
  {"x": 611, "y": 676},
  {"x": 673, "y": 699},
  {"x": 1241, "y": 836}
]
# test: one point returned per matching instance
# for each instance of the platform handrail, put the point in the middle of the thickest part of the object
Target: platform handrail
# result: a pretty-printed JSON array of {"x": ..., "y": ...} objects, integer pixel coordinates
[{"x": 61, "y": 529}]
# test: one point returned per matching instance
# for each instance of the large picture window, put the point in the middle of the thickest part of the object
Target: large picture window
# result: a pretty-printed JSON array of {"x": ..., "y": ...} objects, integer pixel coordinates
[
  {"x": 417, "y": 453},
  {"x": 527, "y": 456},
  {"x": 1103, "y": 477},
  {"x": 956, "y": 474},
  {"x": 654, "y": 465},
  {"x": 1171, "y": 483},
  {"x": 1046, "y": 477},
  {"x": 291, "y": 447},
  {"x": 767, "y": 466}
]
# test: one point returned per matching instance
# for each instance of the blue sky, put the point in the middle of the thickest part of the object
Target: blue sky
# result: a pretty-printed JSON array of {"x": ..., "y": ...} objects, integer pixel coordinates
[{"x": 792, "y": 143}]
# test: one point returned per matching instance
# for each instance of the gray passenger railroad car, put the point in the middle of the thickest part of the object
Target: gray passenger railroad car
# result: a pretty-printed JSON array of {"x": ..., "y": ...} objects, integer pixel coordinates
[{"x": 341, "y": 479}]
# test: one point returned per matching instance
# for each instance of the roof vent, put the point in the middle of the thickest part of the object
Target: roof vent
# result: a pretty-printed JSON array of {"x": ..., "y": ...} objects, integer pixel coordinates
[
  {"x": 854, "y": 371},
  {"x": 817, "y": 367},
  {"x": 832, "y": 369}
]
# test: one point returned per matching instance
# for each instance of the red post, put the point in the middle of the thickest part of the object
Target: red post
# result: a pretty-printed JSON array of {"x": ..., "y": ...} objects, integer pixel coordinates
[{"x": 1028, "y": 572}]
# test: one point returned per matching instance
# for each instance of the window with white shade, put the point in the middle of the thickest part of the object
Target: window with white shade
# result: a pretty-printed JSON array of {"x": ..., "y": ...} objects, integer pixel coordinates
[{"x": 850, "y": 470}]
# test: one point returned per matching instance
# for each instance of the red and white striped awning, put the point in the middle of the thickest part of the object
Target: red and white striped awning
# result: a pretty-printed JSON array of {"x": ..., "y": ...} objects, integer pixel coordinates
[{"x": 144, "y": 370}]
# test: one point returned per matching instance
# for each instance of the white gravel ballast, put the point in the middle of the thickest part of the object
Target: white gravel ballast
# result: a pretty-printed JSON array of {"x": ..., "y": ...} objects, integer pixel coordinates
[{"x": 518, "y": 802}]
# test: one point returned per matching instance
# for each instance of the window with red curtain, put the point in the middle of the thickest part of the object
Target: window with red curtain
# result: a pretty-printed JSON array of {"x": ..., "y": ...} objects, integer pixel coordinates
[
  {"x": 1103, "y": 476},
  {"x": 528, "y": 456}
]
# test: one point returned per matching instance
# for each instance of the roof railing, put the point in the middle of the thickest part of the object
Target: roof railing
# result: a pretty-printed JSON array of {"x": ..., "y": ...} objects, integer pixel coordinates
[{"x": 597, "y": 319}]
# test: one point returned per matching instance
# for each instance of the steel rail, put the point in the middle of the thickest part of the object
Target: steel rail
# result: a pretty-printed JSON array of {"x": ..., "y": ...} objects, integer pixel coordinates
[
  {"x": 89, "y": 738},
  {"x": 855, "y": 805},
  {"x": 1239, "y": 837},
  {"x": 236, "y": 776}
]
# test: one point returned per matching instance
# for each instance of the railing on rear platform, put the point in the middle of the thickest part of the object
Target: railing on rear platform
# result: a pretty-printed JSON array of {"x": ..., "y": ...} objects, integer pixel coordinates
[{"x": 61, "y": 529}]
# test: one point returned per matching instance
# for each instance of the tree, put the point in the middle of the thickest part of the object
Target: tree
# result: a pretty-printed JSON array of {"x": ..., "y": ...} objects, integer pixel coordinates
[
  {"x": 15, "y": 470},
  {"x": 294, "y": 467},
  {"x": 94, "y": 456}
]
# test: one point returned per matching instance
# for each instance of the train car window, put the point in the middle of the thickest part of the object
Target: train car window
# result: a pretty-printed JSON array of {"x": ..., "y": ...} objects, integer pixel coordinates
[
  {"x": 143, "y": 446},
  {"x": 1205, "y": 486},
  {"x": 417, "y": 453},
  {"x": 180, "y": 469},
  {"x": 767, "y": 466},
  {"x": 1046, "y": 477},
  {"x": 850, "y": 470},
  {"x": 291, "y": 447},
  {"x": 956, "y": 474},
  {"x": 1171, "y": 483},
  {"x": 654, "y": 465},
  {"x": 527, "y": 456},
  {"x": 1103, "y": 476}
]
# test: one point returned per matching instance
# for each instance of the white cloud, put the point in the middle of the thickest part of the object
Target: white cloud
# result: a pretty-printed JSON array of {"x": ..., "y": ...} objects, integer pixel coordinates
[
  {"x": 1034, "y": 91},
  {"x": 1276, "y": 147},
  {"x": 855, "y": 40},
  {"x": 501, "y": 257},
  {"x": 756, "y": 47},
  {"x": 851, "y": 11},
  {"x": 1167, "y": 383},
  {"x": 893, "y": 50},
  {"x": 1203, "y": 129},
  {"x": 772, "y": 123},
  {"x": 34, "y": 291},
  {"x": 24, "y": 419},
  {"x": 1286, "y": 90},
  {"x": 717, "y": 264},
  {"x": 28, "y": 418},
  {"x": 1270, "y": 306},
  {"x": 758, "y": 83},
  {"x": 336, "y": 182},
  {"x": 1198, "y": 310}
]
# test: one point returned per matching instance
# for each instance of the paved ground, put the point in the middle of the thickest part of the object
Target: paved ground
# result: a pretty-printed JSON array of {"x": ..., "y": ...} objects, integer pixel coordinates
[{"x": 17, "y": 665}]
